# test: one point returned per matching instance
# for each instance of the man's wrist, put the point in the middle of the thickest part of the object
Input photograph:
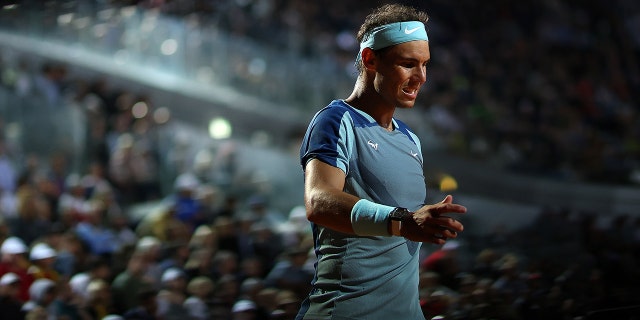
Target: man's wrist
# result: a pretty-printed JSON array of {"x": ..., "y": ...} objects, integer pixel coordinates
[
  {"x": 396, "y": 218},
  {"x": 370, "y": 219},
  {"x": 395, "y": 227}
]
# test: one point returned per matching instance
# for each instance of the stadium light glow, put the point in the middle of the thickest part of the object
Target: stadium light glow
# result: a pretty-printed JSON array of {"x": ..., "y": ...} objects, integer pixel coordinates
[
  {"x": 140, "y": 110},
  {"x": 162, "y": 115},
  {"x": 169, "y": 47},
  {"x": 220, "y": 128}
]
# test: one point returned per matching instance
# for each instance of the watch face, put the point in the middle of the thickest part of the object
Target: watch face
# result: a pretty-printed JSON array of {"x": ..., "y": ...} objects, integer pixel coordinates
[{"x": 399, "y": 214}]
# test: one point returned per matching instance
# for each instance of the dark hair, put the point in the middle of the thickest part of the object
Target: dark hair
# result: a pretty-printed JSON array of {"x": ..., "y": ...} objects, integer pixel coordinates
[
  {"x": 386, "y": 14},
  {"x": 389, "y": 13}
]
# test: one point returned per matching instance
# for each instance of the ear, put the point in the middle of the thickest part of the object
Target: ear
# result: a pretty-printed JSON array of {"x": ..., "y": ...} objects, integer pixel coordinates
[{"x": 369, "y": 59}]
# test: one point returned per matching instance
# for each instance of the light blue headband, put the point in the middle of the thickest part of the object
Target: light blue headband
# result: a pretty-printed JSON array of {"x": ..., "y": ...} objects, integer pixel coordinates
[{"x": 392, "y": 34}]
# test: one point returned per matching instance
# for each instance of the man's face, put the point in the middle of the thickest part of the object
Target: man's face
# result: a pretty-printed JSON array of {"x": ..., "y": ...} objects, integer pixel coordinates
[{"x": 401, "y": 72}]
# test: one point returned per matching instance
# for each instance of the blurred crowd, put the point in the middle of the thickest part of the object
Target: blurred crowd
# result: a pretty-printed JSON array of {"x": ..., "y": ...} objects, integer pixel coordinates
[
  {"x": 551, "y": 92},
  {"x": 98, "y": 237},
  {"x": 547, "y": 88}
]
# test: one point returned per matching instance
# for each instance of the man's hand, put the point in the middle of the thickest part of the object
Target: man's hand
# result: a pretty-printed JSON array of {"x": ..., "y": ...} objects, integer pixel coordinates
[{"x": 432, "y": 224}]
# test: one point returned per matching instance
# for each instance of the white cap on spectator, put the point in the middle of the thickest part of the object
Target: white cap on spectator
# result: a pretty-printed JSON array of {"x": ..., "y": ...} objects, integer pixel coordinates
[
  {"x": 13, "y": 245},
  {"x": 112, "y": 317},
  {"x": 39, "y": 287},
  {"x": 148, "y": 243},
  {"x": 79, "y": 283},
  {"x": 172, "y": 274},
  {"x": 243, "y": 305},
  {"x": 186, "y": 181},
  {"x": 9, "y": 278},
  {"x": 42, "y": 251}
]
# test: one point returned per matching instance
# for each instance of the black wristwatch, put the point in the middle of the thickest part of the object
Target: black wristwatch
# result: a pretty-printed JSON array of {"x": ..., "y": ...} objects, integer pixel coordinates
[{"x": 400, "y": 214}]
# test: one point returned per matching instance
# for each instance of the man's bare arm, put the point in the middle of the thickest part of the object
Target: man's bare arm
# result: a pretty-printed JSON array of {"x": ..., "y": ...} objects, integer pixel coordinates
[{"x": 326, "y": 202}]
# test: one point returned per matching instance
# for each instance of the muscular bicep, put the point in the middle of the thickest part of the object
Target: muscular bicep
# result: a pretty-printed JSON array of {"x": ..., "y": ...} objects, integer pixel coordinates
[
  {"x": 326, "y": 202},
  {"x": 320, "y": 175}
]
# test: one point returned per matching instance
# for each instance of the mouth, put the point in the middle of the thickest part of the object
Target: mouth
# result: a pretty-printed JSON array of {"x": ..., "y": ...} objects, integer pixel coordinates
[{"x": 410, "y": 92}]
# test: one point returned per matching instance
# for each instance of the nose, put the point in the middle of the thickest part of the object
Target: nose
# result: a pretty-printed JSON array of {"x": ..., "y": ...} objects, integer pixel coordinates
[{"x": 420, "y": 75}]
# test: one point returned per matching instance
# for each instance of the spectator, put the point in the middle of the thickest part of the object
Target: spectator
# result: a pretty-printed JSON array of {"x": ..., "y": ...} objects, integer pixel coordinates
[
  {"x": 145, "y": 305},
  {"x": 4, "y": 230},
  {"x": 444, "y": 262},
  {"x": 510, "y": 285},
  {"x": 43, "y": 258},
  {"x": 203, "y": 237},
  {"x": 188, "y": 208},
  {"x": 266, "y": 300},
  {"x": 98, "y": 300},
  {"x": 79, "y": 285},
  {"x": 261, "y": 212},
  {"x": 253, "y": 267},
  {"x": 172, "y": 296},
  {"x": 290, "y": 272},
  {"x": 228, "y": 235},
  {"x": 48, "y": 84},
  {"x": 228, "y": 208},
  {"x": 435, "y": 299},
  {"x": 207, "y": 195},
  {"x": 8, "y": 207},
  {"x": 262, "y": 242},
  {"x": 42, "y": 293},
  {"x": 67, "y": 305},
  {"x": 485, "y": 261},
  {"x": 73, "y": 206},
  {"x": 146, "y": 173},
  {"x": 200, "y": 263},
  {"x": 10, "y": 303},
  {"x": 121, "y": 165},
  {"x": 99, "y": 269},
  {"x": 244, "y": 237},
  {"x": 225, "y": 263},
  {"x": 71, "y": 254},
  {"x": 161, "y": 222},
  {"x": 150, "y": 249},
  {"x": 175, "y": 255},
  {"x": 96, "y": 233},
  {"x": 51, "y": 181},
  {"x": 244, "y": 310},
  {"x": 34, "y": 213},
  {"x": 96, "y": 183},
  {"x": 197, "y": 304},
  {"x": 287, "y": 304},
  {"x": 8, "y": 173},
  {"x": 14, "y": 260},
  {"x": 23, "y": 84},
  {"x": 126, "y": 237},
  {"x": 250, "y": 288},
  {"x": 225, "y": 295},
  {"x": 296, "y": 229},
  {"x": 129, "y": 287}
]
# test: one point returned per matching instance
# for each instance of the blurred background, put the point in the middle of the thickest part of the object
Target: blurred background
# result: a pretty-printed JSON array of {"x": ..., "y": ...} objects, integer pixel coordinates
[{"x": 529, "y": 117}]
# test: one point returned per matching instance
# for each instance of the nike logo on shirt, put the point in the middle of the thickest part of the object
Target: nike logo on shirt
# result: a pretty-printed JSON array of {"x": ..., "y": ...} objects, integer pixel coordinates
[{"x": 373, "y": 145}]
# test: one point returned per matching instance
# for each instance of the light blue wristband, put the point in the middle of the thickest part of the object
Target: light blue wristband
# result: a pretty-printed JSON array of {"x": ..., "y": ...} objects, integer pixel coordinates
[{"x": 370, "y": 219}]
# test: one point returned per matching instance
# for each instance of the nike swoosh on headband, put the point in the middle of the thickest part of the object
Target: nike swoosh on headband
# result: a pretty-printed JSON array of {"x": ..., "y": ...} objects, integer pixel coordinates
[{"x": 410, "y": 31}]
